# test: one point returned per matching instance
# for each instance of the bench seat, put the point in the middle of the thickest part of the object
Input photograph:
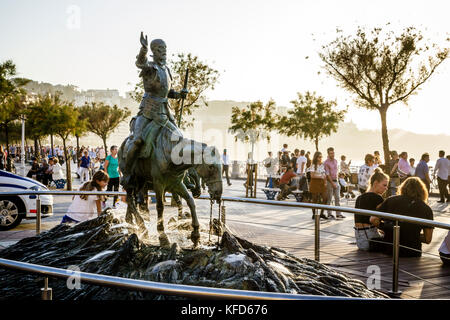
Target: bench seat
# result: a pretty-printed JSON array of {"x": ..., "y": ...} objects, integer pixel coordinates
[
  {"x": 271, "y": 193},
  {"x": 298, "y": 194}
]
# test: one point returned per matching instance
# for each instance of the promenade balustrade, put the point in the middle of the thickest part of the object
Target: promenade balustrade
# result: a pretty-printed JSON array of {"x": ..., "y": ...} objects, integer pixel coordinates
[{"x": 200, "y": 292}]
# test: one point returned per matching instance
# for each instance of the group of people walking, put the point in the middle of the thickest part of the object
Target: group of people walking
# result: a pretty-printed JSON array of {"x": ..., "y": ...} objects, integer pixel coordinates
[
  {"x": 398, "y": 187},
  {"x": 400, "y": 168},
  {"x": 317, "y": 177}
]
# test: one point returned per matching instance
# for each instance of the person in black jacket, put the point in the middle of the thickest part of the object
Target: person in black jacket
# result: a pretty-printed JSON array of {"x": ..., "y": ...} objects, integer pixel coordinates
[
  {"x": 367, "y": 236},
  {"x": 411, "y": 201},
  {"x": 41, "y": 174},
  {"x": 34, "y": 169}
]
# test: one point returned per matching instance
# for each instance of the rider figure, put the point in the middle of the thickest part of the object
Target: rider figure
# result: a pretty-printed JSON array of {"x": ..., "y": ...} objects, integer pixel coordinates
[{"x": 154, "y": 107}]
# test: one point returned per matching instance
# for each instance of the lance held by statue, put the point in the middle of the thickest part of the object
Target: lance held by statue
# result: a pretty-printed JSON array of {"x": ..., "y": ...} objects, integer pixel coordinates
[{"x": 154, "y": 110}]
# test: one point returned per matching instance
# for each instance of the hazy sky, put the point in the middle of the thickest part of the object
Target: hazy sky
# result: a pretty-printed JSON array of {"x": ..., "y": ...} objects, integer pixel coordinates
[{"x": 260, "y": 47}]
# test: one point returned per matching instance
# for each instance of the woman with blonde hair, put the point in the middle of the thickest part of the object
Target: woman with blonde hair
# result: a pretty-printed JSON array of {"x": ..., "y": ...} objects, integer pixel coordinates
[
  {"x": 411, "y": 200},
  {"x": 317, "y": 186}
]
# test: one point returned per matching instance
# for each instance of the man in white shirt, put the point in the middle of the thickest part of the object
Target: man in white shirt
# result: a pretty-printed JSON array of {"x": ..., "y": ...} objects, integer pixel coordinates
[
  {"x": 442, "y": 170},
  {"x": 301, "y": 171},
  {"x": 92, "y": 153},
  {"x": 301, "y": 163},
  {"x": 270, "y": 165},
  {"x": 101, "y": 154},
  {"x": 412, "y": 172},
  {"x": 226, "y": 165}
]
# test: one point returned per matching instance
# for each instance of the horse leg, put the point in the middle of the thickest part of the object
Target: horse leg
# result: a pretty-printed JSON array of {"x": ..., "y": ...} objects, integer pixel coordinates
[
  {"x": 179, "y": 204},
  {"x": 163, "y": 239},
  {"x": 143, "y": 203},
  {"x": 183, "y": 192},
  {"x": 131, "y": 206}
]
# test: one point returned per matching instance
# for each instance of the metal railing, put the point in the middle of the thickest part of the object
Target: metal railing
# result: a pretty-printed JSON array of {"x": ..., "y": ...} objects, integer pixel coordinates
[
  {"x": 188, "y": 291},
  {"x": 394, "y": 217}
]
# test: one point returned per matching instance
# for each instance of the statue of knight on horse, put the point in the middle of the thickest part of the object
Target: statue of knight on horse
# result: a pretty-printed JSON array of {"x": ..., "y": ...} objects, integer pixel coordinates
[{"x": 156, "y": 156}]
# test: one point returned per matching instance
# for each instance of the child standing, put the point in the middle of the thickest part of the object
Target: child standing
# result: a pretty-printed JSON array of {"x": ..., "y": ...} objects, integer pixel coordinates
[{"x": 86, "y": 207}]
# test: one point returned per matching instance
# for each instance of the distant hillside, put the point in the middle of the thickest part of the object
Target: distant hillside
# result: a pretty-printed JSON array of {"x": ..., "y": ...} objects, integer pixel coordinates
[{"x": 213, "y": 122}]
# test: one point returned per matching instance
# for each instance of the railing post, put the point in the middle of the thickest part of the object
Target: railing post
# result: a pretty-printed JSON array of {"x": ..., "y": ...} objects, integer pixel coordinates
[
  {"x": 223, "y": 213},
  {"x": 38, "y": 215},
  {"x": 46, "y": 292},
  {"x": 395, "y": 260},
  {"x": 316, "y": 235}
]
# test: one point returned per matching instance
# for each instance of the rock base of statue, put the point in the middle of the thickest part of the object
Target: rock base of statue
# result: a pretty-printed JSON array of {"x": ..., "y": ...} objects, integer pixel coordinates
[{"x": 109, "y": 246}]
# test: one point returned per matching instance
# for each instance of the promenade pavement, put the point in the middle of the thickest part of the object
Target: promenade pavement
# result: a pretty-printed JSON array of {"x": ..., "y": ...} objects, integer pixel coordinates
[{"x": 292, "y": 229}]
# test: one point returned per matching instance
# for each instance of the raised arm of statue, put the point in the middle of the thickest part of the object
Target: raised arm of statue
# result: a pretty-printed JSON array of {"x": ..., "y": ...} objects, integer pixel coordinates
[{"x": 141, "y": 58}]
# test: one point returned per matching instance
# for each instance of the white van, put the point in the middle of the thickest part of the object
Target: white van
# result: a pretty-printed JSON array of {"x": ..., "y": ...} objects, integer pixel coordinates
[{"x": 15, "y": 208}]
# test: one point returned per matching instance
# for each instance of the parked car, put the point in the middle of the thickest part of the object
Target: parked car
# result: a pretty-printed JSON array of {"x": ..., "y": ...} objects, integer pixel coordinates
[{"x": 15, "y": 208}]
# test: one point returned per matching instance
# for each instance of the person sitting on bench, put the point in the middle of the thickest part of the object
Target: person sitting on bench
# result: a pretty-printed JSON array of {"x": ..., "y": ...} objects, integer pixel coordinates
[{"x": 285, "y": 184}]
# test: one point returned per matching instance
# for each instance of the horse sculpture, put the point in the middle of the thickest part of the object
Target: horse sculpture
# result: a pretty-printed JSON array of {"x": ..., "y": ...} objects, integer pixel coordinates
[
  {"x": 164, "y": 170},
  {"x": 191, "y": 181}
]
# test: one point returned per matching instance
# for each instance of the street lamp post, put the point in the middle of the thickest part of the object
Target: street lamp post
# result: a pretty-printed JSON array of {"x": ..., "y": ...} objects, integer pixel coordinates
[
  {"x": 29, "y": 99},
  {"x": 22, "y": 155}
]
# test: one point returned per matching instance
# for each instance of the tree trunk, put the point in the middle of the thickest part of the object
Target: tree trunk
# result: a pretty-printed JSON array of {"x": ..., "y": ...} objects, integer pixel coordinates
[
  {"x": 51, "y": 145},
  {"x": 316, "y": 142},
  {"x": 68, "y": 173},
  {"x": 384, "y": 134},
  {"x": 7, "y": 137},
  {"x": 253, "y": 149},
  {"x": 37, "y": 153},
  {"x": 104, "y": 144},
  {"x": 78, "y": 150}
]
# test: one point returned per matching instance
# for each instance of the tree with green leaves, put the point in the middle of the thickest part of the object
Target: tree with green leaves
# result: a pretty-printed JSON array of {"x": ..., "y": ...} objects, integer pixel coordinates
[
  {"x": 14, "y": 133},
  {"x": 9, "y": 84},
  {"x": 12, "y": 96},
  {"x": 380, "y": 68},
  {"x": 80, "y": 131},
  {"x": 102, "y": 119},
  {"x": 201, "y": 78},
  {"x": 44, "y": 124},
  {"x": 65, "y": 121},
  {"x": 253, "y": 122},
  {"x": 312, "y": 118},
  {"x": 37, "y": 126}
]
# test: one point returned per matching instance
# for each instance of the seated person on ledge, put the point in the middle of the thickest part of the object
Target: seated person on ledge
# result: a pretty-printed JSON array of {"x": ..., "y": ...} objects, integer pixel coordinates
[
  {"x": 285, "y": 182},
  {"x": 444, "y": 250},
  {"x": 411, "y": 201},
  {"x": 368, "y": 237}
]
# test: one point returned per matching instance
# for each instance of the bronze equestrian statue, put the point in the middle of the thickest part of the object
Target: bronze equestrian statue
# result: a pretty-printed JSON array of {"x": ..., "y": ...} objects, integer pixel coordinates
[{"x": 155, "y": 155}]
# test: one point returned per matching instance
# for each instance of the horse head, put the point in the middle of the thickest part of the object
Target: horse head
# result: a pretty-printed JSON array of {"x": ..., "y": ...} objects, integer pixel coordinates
[
  {"x": 212, "y": 175},
  {"x": 210, "y": 170}
]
